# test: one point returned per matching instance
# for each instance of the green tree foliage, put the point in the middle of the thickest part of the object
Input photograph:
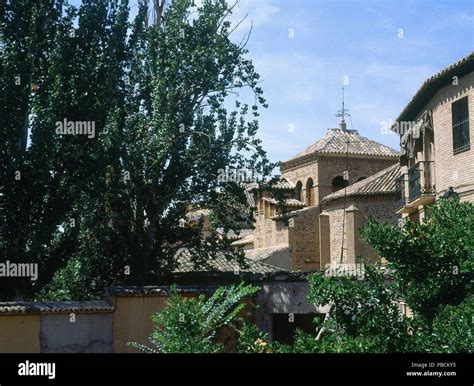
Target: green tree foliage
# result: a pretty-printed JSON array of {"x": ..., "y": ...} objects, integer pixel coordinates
[
  {"x": 364, "y": 315},
  {"x": 191, "y": 325},
  {"x": 433, "y": 261},
  {"x": 164, "y": 98},
  {"x": 251, "y": 340},
  {"x": 430, "y": 266},
  {"x": 431, "y": 269},
  {"x": 53, "y": 70},
  {"x": 452, "y": 329}
]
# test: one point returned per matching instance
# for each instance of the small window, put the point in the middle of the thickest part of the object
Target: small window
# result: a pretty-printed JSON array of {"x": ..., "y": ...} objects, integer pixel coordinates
[
  {"x": 338, "y": 183},
  {"x": 460, "y": 118},
  {"x": 309, "y": 192},
  {"x": 298, "y": 189}
]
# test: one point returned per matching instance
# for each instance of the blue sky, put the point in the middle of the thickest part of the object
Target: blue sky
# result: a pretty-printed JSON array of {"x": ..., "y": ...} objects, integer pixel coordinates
[
  {"x": 385, "y": 48},
  {"x": 302, "y": 76}
]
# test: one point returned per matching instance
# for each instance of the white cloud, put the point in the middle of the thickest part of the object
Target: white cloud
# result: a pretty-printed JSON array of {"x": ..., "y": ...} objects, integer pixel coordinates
[{"x": 465, "y": 17}]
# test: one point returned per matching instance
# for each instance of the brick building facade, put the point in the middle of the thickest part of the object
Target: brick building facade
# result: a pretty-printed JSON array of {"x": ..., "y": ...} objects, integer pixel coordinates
[
  {"x": 296, "y": 238},
  {"x": 346, "y": 211},
  {"x": 333, "y": 187},
  {"x": 436, "y": 147}
]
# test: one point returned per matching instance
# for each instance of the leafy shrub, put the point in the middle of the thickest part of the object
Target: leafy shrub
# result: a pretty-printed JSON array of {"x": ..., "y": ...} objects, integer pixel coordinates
[{"x": 191, "y": 325}]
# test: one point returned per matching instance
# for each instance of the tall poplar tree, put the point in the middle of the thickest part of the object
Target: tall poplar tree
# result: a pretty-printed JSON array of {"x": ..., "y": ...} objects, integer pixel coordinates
[{"x": 109, "y": 208}]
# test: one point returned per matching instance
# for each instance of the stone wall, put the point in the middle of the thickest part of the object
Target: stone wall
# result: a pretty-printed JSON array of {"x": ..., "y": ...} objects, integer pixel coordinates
[
  {"x": 358, "y": 210},
  {"x": 323, "y": 169},
  {"x": 269, "y": 233},
  {"x": 382, "y": 210},
  {"x": 336, "y": 213},
  {"x": 302, "y": 173},
  {"x": 304, "y": 239},
  {"x": 358, "y": 167}
]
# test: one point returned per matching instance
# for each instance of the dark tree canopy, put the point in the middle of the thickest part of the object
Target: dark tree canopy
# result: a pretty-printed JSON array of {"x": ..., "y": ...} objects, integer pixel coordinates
[{"x": 163, "y": 100}]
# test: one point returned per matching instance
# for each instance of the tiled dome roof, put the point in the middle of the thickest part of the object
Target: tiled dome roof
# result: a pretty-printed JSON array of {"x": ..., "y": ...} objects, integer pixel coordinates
[{"x": 339, "y": 141}]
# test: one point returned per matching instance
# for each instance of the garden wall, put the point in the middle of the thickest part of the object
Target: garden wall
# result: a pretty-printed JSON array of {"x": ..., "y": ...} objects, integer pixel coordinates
[
  {"x": 60, "y": 327},
  {"x": 124, "y": 315}
]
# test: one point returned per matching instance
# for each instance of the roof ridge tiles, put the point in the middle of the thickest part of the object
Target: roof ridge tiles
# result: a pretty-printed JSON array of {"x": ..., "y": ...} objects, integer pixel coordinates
[{"x": 336, "y": 140}]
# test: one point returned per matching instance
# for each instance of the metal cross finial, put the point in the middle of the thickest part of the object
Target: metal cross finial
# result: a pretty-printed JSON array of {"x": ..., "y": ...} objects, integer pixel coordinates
[{"x": 343, "y": 112}]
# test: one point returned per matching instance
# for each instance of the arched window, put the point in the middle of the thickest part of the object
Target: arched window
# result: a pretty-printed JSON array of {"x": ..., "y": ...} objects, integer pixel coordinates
[
  {"x": 338, "y": 183},
  {"x": 361, "y": 178},
  {"x": 309, "y": 200},
  {"x": 298, "y": 189}
]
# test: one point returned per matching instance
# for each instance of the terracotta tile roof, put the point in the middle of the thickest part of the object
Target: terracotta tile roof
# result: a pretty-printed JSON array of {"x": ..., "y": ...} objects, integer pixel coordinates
[
  {"x": 236, "y": 235},
  {"x": 244, "y": 241},
  {"x": 221, "y": 264},
  {"x": 284, "y": 184},
  {"x": 287, "y": 202},
  {"x": 336, "y": 140},
  {"x": 382, "y": 182},
  {"x": 54, "y": 307},
  {"x": 262, "y": 254},
  {"x": 431, "y": 85}
]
